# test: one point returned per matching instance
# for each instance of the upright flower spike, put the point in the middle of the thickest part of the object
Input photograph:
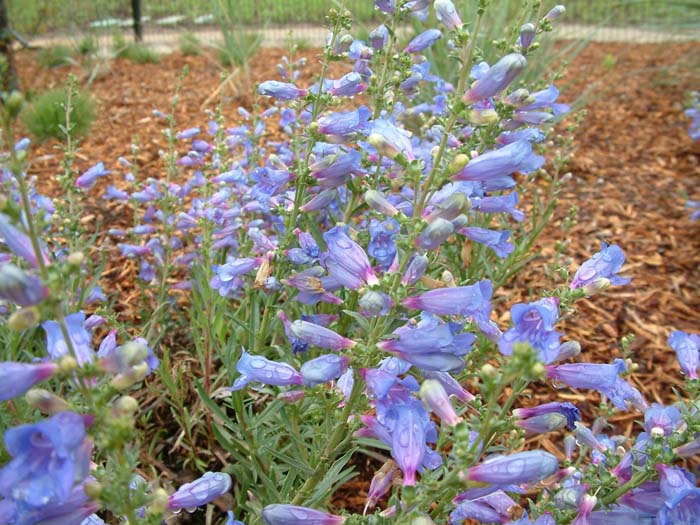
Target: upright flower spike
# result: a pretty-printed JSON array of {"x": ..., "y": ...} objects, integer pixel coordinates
[
  {"x": 294, "y": 515},
  {"x": 17, "y": 378},
  {"x": 258, "y": 369},
  {"x": 522, "y": 467},
  {"x": 687, "y": 348},
  {"x": 346, "y": 261},
  {"x": 600, "y": 271},
  {"x": 497, "y": 78},
  {"x": 201, "y": 491}
]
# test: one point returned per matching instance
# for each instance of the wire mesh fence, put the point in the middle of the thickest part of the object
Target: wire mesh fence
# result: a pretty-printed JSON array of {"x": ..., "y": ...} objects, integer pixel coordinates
[{"x": 276, "y": 20}]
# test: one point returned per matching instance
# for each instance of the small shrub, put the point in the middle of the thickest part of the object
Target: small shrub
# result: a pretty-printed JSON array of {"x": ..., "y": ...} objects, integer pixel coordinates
[
  {"x": 190, "y": 45},
  {"x": 55, "y": 56},
  {"x": 87, "y": 45},
  {"x": 135, "y": 52},
  {"x": 46, "y": 116}
]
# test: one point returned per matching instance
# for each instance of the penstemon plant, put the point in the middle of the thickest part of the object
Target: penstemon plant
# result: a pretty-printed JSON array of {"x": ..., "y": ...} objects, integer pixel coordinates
[{"x": 340, "y": 273}]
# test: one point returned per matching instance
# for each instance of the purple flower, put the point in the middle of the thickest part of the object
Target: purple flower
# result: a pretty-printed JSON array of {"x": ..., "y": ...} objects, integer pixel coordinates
[
  {"x": 446, "y": 13},
  {"x": 381, "y": 245},
  {"x": 323, "y": 369},
  {"x": 348, "y": 85},
  {"x": 687, "y": 348},
  {"x": 495, "y": 507},
  {"x": 48, "y": 458},
  {"x": 407, "y": 425},
  {"x": 423, "y": 41},
  {"x": 346, "y": 123},
  {"x": 434, "y": 234},
  {"x": 281, "y": 90},
  {"x": 87, "y": 180},
  {"x": 17, "y": 378},
  {"x": 332, "y": 171},
  {"x": 80, "y": 339},
  {"x": 494, "y": 167},
  {"x": 601, "y": 269},
  {"x": 381, "y": 482},
  {"x": 187, "y": 134},
  {"x": 294, "y": 515},
  {"x": 379, "y": 37},
  {"x": 521, "y": 467},
  {"x": 496, "y": 240},
  {"x": 587, "y": 375},
  {"x": 385, "y": 6},
  {"x": 665, "y": 419},
  {"x": 201, "y": 491},
  {"x": 434, "y": 395},
  {"x": 390, "y": 140},
  {"x": 19, "y": 287},
  {"x": 415, "y": 270},
  {"x": 537, "y": 417},
  {"x": 527, "y": 36},
  {"x": 19, "y": 243},
  {"x": 497, "y": 78},
  {"x": 533, "y": 324},
  {"x": 255, "y": 368},
  {"x": 555, "y": 12},
  {"x": 346, "y": 261},
  {"x": 303, "y": 333}
]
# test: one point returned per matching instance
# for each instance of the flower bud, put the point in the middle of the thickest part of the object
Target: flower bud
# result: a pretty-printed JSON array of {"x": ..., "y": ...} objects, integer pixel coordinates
[
  {"x": 416, "y": 269},
  {"x": 125, "y": 405},
  {"x": 599, "y": 285},
  {"x": 497, "y": 78},
  {"x": 489, "y": 370},
  {"x": 294, "y": 515},
  {"x": 159, "y": 501},
  {"x": 201, "y": 491},
  {"x": 555, "y": 12},
  {"x": 19, "y": 287},
  {"x": 93, "y": 489},
  {"x": 459, "y": 162},
  {"x": 75, "y": 258},
  {"x": 446, "y": 13},
  {"x": 433, "y": 394},
  {"x": 518, "y": 98},
  {"x": 379, "y": 203},
  {"x": 46, "y": 402},
  {"x": 527, "y": 36},
  {"x": 381, "y": 483},
  {"x": 451, "y": 208},
  {"x": 483, "y": 117},
  {"x": 136, "y": 374},
  {"x": 291, "y": 396},
  {"x": 568, "y": 350},
  {"x": 14, "y": 103},
  {"x": 373, "y": 303},
  {"x": 24, "y": 319},
  {"x": 67, "y": 364},
  {"x": 436, "y": 233}
]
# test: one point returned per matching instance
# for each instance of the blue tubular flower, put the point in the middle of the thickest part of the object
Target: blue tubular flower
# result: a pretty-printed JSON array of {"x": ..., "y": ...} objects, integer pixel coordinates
[
  {"x": 390, "y": 140},
  {"x": 591, "y": 376},
  {"x": 302, "y": 334},
  {"x": 687, "y": 348},
  {"x": 663, "y": 419},
  {"x": 623, "y": 395},
  {"x": 20, "y": 287},
  {"x": 527, "y": 36},
  {"x": 201, "y": 491},
  {"x": 533, "y": 324},
  {"x": 17, "y": 378},
  {"x": 494, "y": 167},
  {"x": 415, "y": 270},
  {"x": 19, "y": 243},
  {"x": 281, "y": 90},
  {"x": 407, "y": 424},
  {"x": 56, "y": 345},
  {"x": 345, "y": 124},
  {"x": 323, "y": 369},
  {"x": 346, "y": 261},
  {"x": 335, "y": 170},
  {"x": 495, "y": 507},
  {"x": 293, "y": 515},
  {"x": 496, "y": 240},
  {"x": 48, "y": 458},
  {"x": 500, "y": 204},
  {"x": 435, "y": 396},
  {"x": 522, "y": 467},
  {"x": 258, "y": 369},
  {"x": 434, "y": 234},
  {"x": 570, "y": 413},
  {"x": 451, "y": 385},
  {"x": 348, "y": 85},
  {"x": 694, "y": 129},
  {"x": 676, "y": 484},
  {"x": 379, "y": 37},
  {"x": 423, "y": 41},
  {"x": 87, "y": 180},
  {"x": 381, "y": 245},
  {"x": 446, "y": 13},
  {"x": 497, "y": 78},
  {"x": 473, "y": 301},
  {"x": 601, "y": 269},
  {"x": 430, "y": 345}
]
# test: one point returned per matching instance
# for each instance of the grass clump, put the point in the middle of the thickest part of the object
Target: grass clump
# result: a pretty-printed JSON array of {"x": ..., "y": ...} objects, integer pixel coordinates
[
  {"x": 87, "y": 45},
  {"x": 55, "y": 56},
  {"x": 190, "y": 45},
  {"x": 135, "y": 52},
  {"x": 46, "y": 116}
]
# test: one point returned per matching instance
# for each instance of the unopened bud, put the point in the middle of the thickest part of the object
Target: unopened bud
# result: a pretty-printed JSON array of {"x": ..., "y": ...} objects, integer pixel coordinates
[
  {"x": 14, "y": 103},
  {"x": 67, "y": 364},
  {"x": 24, "y": 319},
  {"x": 75, "y": 258},
  {"x": 136, "y": 374},
  {"x": 555, "y": 12},
  {"x": 657, "y": 432},
  {"x": 422, "y": 520},
  {"x": 451, "y": 208},
  {"x": 433, "y": 394},
  {"x": 459, "y": 162},
  {"x": 159, "y": 501},
  {"x": 379, "y": 203},
  {"x": 46, "y": 402},
  {"x": 125, "y": 405},
  {"x": 3, "y": 201},
  {"x": 483, "y": 117},
  {"x": 489, "y": 370},
  {"x": 93, "y": 489},
  {"x": 527, "y": 35},
  {"x": 599, "y": 285},
  {"x": 518, "y": 98},
  {"x": 538, "y": 369}
]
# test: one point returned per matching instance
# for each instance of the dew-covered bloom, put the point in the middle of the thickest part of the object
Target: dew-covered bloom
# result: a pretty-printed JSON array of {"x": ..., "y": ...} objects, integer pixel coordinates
[
  {"x": 281, "y": 90},
  {"x": 436, "y": 398},
  {"x": 415, "y": 270},
  {"x": 591, "y": 376},
  {"x": 323, "y": 369},
  {"x": 494, "y": 168},
  {"x": 381, "y": 244},
  {"x": 408, "y": 424},
  {"x": 201, "y": 491},
  {"x": 521, "y": 467},
  {"x": 48, "y": 458},
  {"x": 294, "y": 515},
  {"x": 601, "y": 270},
  {"x": 258, "y": 369},
  {"x": 687, "y": 348},
  {"x": 533, "y": 323},
  {"x": 430, "y": 344},
  {"x": 663, "y": 419},
  {"x": 80, "y": 339},
  {"x": 390, "y": 140},
  {"x": 539, "y": 417},
  {"x": 346, "y": 261},
  {"x": 20, "y": 287},
  {"x": 497, "y": 78},
  {"x": 423, "y": 41},
  {"x": 303, "y": 334},
  {"x": 227, "y": 276},
  {"x": 434, "y": 234},
  {"x": 494, "y": 239},
  {"x": 87, "y": 180},
  {"x": 472, "y": 300},
  {"x": 17, "y": 378},
  {"x": 19, "y": 243},
  {"x": 332, "y": 171},
  {"x": 446, "y": 13},
  {"x": 348, "y": 85},
  {"x": 345, "y": 124},
  {"x": 495, "y": 507}
]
